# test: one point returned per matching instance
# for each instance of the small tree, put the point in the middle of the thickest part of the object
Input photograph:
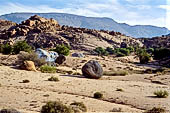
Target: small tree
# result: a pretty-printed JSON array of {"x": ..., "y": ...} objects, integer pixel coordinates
[
  {"x": 62, "y": 49},
  {"x": 144, "y": 57},
  {"x": 21, "y": 46},
  {"x": 101, "y": 51},
  {"x": 6, "y": 49}
]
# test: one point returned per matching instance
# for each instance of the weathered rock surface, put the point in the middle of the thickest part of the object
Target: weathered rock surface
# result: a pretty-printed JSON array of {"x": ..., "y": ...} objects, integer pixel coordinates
[
  {"x": 47, "y": 33},
  {"x": 92, "y": 69}
]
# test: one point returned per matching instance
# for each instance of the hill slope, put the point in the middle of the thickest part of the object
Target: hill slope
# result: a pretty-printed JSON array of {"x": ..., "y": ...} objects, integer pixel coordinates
[{"x": 93, "y": 23}]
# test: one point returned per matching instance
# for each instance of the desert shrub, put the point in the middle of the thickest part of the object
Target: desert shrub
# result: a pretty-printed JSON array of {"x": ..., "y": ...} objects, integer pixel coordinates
[
  {"x": 21, "y": 46},
  {"x": 161, "y": 94},
  {"x": 110, "y": 50},
  {"x": 115, "y": 73},
  {"x": 161, "y": 53},
  {"x": 150, "y": 50},
  {"x": 62, "y": 49},
  {"x": 155, "y": 110},
  {"x": 144, "y": 58},
  {"x": 131, "y": 49},
  {"x": 24, "y": 56},
  {"x": 101, "y": 51},
  {"x": 6, "y": 49},
  {"x": 56, "y": 107},
  {"x": 120, "y": 52},
  {"x": 98, "y": 95},
  {"x": 55, "y": 79},
  {"x": 48, "y": 69},
  {"x": 80, "y": 105},
  {"x": 25, "y": 81}
]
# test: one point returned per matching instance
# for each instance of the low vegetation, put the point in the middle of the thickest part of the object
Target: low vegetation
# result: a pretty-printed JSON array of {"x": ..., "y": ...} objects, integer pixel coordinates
[
  {"x": 62, "y": 50},
  {"x": 79, "y": 105},
  {"x": 55, "y": 79},
  {"x": 16, "y": 48},
  {"x": 156, "y": 110},
  {"x": 98, "y": 95},
  {"x": 101, "y": 51},
  {"x": 56, "y": 107},
  {"x": 144, "y": 57},
  {"x": 24, "y": 56},
  {"x": 48, "y": 69},
  {"x": 161, "y": 94}
]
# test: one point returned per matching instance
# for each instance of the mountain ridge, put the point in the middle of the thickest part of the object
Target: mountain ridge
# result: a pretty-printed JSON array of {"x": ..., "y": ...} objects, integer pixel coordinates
[{"x": 97, "y": 23}]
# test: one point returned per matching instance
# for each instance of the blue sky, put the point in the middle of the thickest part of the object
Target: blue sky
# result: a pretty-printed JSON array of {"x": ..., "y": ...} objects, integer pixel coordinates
[{"x": 133, "y": 12}]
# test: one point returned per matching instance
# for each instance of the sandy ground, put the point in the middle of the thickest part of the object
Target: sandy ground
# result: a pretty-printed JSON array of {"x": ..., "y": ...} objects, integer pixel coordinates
[{"x": 29, "y": 97}]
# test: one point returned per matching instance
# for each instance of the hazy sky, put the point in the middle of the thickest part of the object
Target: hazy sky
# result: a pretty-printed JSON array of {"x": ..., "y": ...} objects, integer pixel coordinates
[{"x": 141, "y": 12}]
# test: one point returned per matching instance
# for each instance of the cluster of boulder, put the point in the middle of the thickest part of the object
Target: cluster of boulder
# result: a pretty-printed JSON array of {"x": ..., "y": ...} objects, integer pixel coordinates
[{"x": 47, "y": 33}]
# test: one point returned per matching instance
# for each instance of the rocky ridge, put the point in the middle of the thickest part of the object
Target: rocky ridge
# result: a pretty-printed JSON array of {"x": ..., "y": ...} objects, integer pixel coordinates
[{"x": 47, "y": 33}]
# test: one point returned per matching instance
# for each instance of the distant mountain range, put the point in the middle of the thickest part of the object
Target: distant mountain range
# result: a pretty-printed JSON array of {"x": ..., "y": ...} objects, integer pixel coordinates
[{"x": 104, "y": 23}]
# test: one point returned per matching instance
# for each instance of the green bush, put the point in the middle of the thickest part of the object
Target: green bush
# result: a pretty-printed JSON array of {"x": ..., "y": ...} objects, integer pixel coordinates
[
  {"x": 56, "y": 107},
  {"x": 161, "y": 94},
  {"x": 24, "y": 56},
  {"x": 161, "y": 53},
  {"x": 55, "y": 79},
  {"x": 62, "y": 49},
  {"x": 131, "y": 49},
  {"x": 48, "y": 69},
  {"x": 98, "y": 95},
  {"x": 155, "y": 110},
  {"x": 101, "y": 51},
  {"x": 120, "y": 52},
  {"x": 144, "y": 58},
  {"x": 21, "y": 46},
  {"x": 6, "y": 49},
  {"x": 110, "y": 50},
  {"x": 80, "y": 105}
]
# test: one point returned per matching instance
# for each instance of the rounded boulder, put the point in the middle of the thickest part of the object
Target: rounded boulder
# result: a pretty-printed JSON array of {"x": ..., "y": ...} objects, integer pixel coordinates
[{"x": 92, "y": 69}]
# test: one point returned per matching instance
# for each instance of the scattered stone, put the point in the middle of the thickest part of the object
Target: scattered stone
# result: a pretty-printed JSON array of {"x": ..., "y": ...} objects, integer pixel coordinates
[
  {"x": 92, "y": 69},
  {"x": 29, "y": 65},
  {"x": 80, "y": 55},
  {"x": 60, "y": 60}
]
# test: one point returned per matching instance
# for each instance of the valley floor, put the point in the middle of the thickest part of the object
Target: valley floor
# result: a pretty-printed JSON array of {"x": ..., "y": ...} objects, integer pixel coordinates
[{"x": 136, "y": 97}]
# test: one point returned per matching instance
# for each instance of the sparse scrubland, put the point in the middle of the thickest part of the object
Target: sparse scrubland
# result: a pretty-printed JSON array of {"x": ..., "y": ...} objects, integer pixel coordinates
[{"x": 116, "y": 75}]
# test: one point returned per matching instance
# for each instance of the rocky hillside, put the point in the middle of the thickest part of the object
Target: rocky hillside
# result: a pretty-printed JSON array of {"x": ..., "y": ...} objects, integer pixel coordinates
[
  {"x": 93, "y": 23},
  {"x": 47, "y": 33},
  {"x": 157, "y": 42}
]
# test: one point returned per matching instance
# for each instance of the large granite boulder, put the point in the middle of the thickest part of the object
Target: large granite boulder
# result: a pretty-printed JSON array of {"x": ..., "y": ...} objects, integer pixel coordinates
[
  {"x": 92, "y": 69},
  {"x": 50, "y": 56}
]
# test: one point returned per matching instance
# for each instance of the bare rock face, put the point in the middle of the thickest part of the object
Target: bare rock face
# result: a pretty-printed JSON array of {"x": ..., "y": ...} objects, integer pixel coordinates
[
  {"x": 92, "y": 69},
  {"x": 9, "y": 111},
  {"x": 29, "y": 65}
]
